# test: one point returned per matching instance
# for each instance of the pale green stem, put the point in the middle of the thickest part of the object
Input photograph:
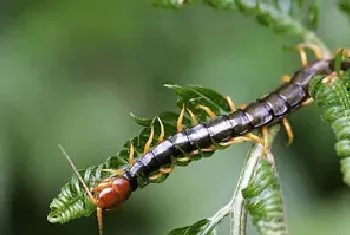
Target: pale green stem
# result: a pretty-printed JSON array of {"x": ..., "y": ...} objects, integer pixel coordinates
[
  {"x": 238, "y": 210},
  {"x": 236, "y": 204}
]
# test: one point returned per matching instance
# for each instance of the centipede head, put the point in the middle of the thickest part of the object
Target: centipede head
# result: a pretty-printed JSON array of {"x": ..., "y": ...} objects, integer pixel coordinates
[
  {"x": 107, "y": 195},
  {"x": 111, "y": 194}
]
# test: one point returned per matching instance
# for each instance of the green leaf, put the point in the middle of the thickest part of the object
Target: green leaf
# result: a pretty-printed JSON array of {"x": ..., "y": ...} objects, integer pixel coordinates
[
  {"x": 337, "y": 62},
  {"x": 195, "y": 229},
  {"x": 334, "y": 98},
  {"x": 264, "y": 200},
  {"x": 344, "y": 6},
  {"x": 197, "y": 95},
  {"x": 271, "y": 14},
  {"x": 172, "y": 3},
  {"x": 72, "y": 202},
  {"x": 313, "y": 15}
]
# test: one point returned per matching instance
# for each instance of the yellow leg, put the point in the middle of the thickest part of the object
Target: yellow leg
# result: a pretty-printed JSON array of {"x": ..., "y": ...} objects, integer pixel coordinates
[
  {"x": 329, "y": 78},
  {"x": 303, "y": 56},
  {"x": 198, "y": 151},
  {"x": 117, "y": 172},
  {"x": 180, "y": 119},
  {"x": 183, "y": 159},
  {"x": 289, "y": 130},
  {"x": 346, "y": 52},
  {"x": 210, "y": 113},
  {"x": 193, "y": 117},
  {"x": 155, "y": 177},
  {"x": 255, "y": 138},
  {"x": 161, "y": 136},
  {"x": 102, "y": 185},
  {"x": 231, "y": 104},
  {"x": 246, "y": 138},
  {"x": 163, "y": 171},
  {"x": 315, "y": 49},
  {"x": 243, "y": 106},
  {"x": 131, "y": 154},
  {"x": 265, "y": 132},
  {"x": 307, "y": 102},
  {"x": 286, "y": 78},
  {"x": 168, "y": 170},
  {"x": 147, "y": 146}
]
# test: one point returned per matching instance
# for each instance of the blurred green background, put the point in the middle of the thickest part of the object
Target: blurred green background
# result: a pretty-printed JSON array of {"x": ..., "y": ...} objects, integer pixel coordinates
[{"x": 71, "y": 71}]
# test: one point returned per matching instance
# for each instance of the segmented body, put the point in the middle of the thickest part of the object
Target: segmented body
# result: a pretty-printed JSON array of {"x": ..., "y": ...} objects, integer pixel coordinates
[
  {"x": 186, "y": 144},
  {"x": 265, "y": 111}
]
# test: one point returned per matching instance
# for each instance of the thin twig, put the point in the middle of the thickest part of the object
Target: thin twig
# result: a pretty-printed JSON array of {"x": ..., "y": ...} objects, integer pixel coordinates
[
  {"x": 238, "y": 210},
  {"x": 236, "y": 204}
]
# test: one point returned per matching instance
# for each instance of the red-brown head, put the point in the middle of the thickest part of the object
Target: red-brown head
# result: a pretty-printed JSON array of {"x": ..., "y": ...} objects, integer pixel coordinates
[{"x": 111, "y": 195}]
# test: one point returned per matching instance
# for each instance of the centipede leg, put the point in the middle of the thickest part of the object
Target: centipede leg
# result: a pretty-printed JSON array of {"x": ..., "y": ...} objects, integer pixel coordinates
[
  {"x": 169, "y": 169},
  {"x": 243, "y": 106},
  {"x": 162, "y": 134},
  {"x": 289, "y": 130},
  {"x": 210, "y": 113},
  {"x": 163, "y": 171},
  {"x": 303, "y": 56},
  {"x": 180, "y": 119},
  {"x": 147, "y": 146},
  {"x": 286, "y": 78},
  {"x": 210, "y": 149},
  {"x": 346, "y": 52},
  {"x": 231, "y": 104},
  {"x": 316, "y": 50},
  {"x": 193, "y": 117},
  {"x": 131, "y": 154},
  {"x": 183, "y": 159},
  {"x": 265, "y": 133},
  {"x": 102, "y": 185},
  {"x": 307, "y": 102},
  {"x": 117, "y": 172},
  {"x": 328, "y": 79},
  {"x": 246, "y": 138}
]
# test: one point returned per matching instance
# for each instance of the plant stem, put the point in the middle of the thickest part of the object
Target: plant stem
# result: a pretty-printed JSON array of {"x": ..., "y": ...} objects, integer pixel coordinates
[
  {"x": 238, "y": 210},
  {"x": 235, "y": 206}
]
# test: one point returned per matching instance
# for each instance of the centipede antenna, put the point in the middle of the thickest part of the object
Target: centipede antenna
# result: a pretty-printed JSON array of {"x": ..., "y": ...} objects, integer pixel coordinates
[{"x": 76, "y": 172}]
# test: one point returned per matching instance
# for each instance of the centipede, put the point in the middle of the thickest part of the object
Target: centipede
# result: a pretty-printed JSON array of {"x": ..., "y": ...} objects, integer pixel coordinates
[{"x": 218, "y": 132}]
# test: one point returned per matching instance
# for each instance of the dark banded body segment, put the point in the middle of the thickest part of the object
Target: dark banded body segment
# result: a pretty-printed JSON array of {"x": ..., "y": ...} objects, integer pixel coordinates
[
  {"x": 198, "y": 137},
  {"x": 292, "y": 94},
  {"x": 220, "y": 129},
  {"x": 241, "y": 122},
  {"x": 260, "y": 112},
  {"x": 277, "y": 104}
]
